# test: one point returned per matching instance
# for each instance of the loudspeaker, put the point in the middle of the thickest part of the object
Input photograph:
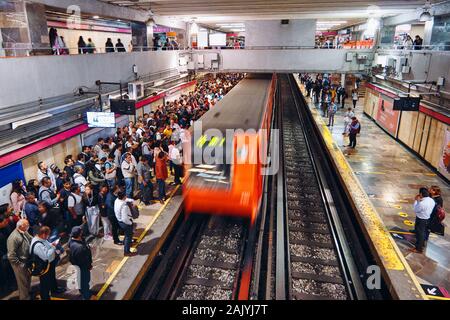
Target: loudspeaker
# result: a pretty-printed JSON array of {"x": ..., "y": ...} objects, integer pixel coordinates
[{"x": 123, "y": 106}]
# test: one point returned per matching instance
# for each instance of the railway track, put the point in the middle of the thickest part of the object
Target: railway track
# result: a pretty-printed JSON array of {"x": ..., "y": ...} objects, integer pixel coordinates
[
  {"x": 205, "y": 259},
  {"x": 308, "y": 238}
]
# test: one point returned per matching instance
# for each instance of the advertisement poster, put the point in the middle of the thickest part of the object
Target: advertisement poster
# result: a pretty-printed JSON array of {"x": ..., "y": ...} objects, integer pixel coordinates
[
  {"x": 444, "y": 162},
  {"x": 386, "y": 116}
]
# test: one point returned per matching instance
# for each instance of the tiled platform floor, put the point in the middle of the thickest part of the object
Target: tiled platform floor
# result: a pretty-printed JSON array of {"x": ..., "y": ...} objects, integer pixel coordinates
[
  {"x": 391, "y": 177},
  {"x": 105, "y": 254}
]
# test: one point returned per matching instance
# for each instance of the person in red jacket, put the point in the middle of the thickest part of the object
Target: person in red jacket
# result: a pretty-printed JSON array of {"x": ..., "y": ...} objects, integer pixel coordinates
[{"x": 161, "y": 174}]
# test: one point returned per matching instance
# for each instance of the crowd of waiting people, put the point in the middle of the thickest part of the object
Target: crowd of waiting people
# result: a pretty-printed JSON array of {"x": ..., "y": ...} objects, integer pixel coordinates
[
  {"x": 328, "y": 97},
  {"x": 98, "y": 187}
]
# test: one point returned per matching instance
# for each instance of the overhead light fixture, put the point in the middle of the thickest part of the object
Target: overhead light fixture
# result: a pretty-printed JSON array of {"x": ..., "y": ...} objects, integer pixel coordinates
[
  {"x": 426, "y": 15},
  {"x": 96, "y": 17}
]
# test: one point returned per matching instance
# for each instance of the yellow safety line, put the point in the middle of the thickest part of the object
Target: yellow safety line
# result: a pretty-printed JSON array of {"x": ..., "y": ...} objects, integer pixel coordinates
[
  {"x": 121, "y": 264},
  {"x": 437, "y": 298}
]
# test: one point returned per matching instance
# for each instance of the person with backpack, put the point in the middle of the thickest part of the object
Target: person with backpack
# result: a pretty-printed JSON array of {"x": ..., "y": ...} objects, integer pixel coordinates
[
  {"x": 110, "y": 171},
  {"x": 354, "y": 129},
  {"x": 90, "y": 201},
  {"x": 438, "y": 215},
  {"x": 81, "y": 256},
  {"x": 125, "y": 219},
  {"x": 18, "y": 245},
  {"x": 423, "y": 207},
  {"x": 44, "y": 255},
  {"x": 47, "y": 194},
  {"x": 95, "y": 175},
  {"x": 79, "y": 178},
  {"x": 128, "y": 171},
  {"x": 75, "y": 206}
]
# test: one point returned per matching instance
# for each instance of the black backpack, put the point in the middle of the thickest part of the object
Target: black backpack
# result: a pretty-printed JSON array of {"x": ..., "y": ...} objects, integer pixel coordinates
[{"x": 35, "y": 265}]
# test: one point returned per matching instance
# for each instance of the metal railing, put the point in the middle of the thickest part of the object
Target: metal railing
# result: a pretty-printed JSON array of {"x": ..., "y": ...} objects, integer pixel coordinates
[
  {"x": 27, "y": 50},
  {"x": 402, "y": 47}
]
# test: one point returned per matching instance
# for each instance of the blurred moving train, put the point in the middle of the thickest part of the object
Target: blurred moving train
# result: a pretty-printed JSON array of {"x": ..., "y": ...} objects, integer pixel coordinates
[{"x": 225, "y": 157}]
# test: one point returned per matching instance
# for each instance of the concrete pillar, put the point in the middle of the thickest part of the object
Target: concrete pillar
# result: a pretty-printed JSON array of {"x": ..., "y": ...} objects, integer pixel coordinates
[
  {"x": 37, "y": 28},
  {"x": 150, "y": 34},
  {"x": 343, "y": 79},
  {"x": 428, "y": 30},
  {"x": 138, "y": 35}
]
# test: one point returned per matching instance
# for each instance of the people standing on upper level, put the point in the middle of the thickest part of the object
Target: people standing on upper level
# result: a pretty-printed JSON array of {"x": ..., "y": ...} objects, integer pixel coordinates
[
  {"x": 82, "y": 47},
  {"x": 109, "y": 46},
  {"x": 418, "y": 41},
  {"x": 120, "y": 47}
]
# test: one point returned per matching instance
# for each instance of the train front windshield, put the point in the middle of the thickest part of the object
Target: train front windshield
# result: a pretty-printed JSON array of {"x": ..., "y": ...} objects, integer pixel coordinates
[{"x": 210, "y": 163}]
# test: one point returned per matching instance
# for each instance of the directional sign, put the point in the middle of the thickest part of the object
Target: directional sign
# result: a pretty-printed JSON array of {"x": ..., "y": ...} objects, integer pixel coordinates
[
  {"x": 398, "y": 236},
  {"x": 434, "y": 291}
]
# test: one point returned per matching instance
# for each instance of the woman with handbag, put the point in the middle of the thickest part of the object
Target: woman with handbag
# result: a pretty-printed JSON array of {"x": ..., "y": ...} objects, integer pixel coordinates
[{"x": 90, "y": 200}]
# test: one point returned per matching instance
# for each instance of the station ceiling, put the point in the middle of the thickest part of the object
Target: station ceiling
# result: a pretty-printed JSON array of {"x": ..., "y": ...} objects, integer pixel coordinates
[{"x": 232, "y": 10}]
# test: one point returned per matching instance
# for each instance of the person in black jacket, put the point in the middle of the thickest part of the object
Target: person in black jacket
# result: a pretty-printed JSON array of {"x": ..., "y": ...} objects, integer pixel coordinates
[
  {"x": 109, "y": 46},
  {"x": 81, "y": 256},
  {"x": 49, "y": 218}
]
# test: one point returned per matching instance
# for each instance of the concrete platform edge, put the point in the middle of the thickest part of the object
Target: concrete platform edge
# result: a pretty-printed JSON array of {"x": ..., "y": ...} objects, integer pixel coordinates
[{"x": 133, "y": 270}]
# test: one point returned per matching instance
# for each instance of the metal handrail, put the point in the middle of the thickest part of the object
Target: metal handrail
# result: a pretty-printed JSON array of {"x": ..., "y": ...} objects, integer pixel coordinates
[
  {"x": 402, "y": 47},
  {"x": 24, "y": 50}
]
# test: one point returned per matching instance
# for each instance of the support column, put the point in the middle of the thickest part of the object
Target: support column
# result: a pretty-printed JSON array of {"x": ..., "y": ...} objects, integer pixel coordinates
[
  {"x": 343, "y": 79},
  {"x": 427, "y": 32},
  {"x": 138, "y": 36}
]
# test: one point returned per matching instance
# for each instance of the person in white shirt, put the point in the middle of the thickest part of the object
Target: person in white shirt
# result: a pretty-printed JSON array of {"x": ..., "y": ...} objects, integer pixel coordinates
[
  {"x": 75, "y": 206},
  {"x": 79, "y": 178},
  {"x": 44, "y": 171},
  {"x": 128, "y": 170},
  {"x": 125, "y": 219},
  {"x": 423, "y": 207},
  {"x": 99, "y": 146},
  {"x": 349, "y": 114},
  {"x": 175, "y": 160}
]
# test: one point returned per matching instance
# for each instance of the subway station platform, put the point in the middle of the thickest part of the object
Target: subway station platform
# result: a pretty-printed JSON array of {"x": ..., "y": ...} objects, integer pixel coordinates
[
  {"x": 115, "y": 277},
  {"x": 391, "y": 176}
]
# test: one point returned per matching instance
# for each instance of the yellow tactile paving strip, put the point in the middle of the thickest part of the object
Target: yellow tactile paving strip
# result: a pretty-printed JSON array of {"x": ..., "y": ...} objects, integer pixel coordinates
[
  {"x": 387, "y": 250},
  {"x": 119, "y": 264}
]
